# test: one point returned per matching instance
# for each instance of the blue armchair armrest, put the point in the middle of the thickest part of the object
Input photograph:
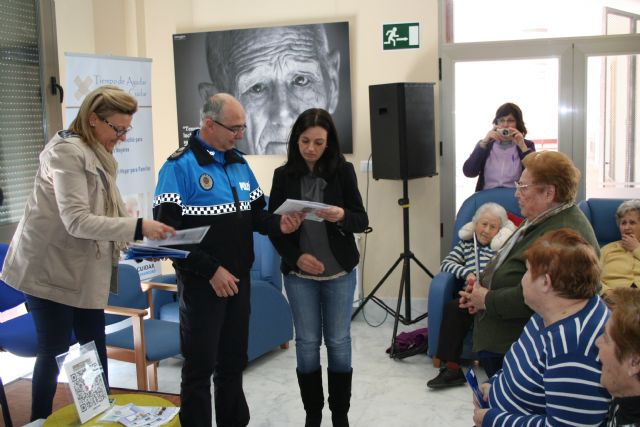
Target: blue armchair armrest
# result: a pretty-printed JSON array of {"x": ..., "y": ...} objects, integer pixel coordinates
[{"x": 443, "y": 288}]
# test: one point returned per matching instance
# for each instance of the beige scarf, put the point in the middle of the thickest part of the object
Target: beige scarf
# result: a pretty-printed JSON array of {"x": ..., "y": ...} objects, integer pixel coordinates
[
  {"x": 496, "y": 262},
  {"x": 114, "y": 205}
]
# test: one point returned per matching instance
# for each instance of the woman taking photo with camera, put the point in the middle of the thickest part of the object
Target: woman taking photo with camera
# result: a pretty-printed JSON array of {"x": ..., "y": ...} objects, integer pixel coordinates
[{"x": 497, "y": 158}]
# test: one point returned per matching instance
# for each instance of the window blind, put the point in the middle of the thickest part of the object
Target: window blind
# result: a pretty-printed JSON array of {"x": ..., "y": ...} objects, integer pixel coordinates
[{"x": 22, "y": 135}]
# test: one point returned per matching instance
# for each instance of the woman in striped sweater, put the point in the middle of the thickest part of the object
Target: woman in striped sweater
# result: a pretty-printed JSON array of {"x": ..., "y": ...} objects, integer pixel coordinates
[
  {"x": 551, "y": 375},
  {"x": 479, "y": 242}
]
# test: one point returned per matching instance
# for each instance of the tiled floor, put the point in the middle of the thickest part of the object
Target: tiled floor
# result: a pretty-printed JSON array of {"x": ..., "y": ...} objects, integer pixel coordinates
[{"x": 386, "y": 392}]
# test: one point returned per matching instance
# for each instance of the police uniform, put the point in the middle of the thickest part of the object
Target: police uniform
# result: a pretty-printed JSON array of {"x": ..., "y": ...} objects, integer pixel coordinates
[{"x": 200, "y": 186}]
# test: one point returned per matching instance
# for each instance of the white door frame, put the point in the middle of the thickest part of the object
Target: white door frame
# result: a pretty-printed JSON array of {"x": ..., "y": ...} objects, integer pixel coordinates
[{"x": 572, "y": 54}]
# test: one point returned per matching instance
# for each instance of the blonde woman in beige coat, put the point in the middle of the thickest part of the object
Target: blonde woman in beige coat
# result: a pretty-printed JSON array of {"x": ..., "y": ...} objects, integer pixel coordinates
[{"x": 65, "y": 251}]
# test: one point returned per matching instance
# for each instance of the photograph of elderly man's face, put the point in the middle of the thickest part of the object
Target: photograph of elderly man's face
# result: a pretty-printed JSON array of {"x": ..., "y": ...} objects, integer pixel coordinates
[{"x": 276, "y": 73}]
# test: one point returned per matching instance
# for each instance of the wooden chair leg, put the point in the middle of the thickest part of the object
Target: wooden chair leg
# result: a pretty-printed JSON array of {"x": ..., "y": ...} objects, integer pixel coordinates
[
  {"x": 5, "y": 406},
  {"x": 140, "y": 353},
  {"x": 436, "y": 362},
  {"x": 152, "y": 376},
  {"x": 284, "y": 345}
]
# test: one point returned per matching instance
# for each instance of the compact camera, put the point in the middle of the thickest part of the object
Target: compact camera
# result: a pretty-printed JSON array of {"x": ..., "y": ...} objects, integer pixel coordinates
[{"x": 503, "y": 132}]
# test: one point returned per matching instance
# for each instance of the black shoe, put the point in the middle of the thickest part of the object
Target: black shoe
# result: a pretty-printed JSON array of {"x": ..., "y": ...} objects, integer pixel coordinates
[{"x": 447, "y": 378}]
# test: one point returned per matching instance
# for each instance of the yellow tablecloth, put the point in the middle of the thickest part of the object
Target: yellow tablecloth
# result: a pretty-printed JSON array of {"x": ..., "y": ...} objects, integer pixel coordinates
[{"x": 68, "y": 416}]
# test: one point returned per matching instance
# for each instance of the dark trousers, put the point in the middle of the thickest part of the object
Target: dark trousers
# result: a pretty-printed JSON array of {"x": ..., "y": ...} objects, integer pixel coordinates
[
  {"x": 54, "y": 323},
  {"x": 456, "y": 322},
  {"x": 491, "y": 362},
  {"x": 214, "y": 336}
]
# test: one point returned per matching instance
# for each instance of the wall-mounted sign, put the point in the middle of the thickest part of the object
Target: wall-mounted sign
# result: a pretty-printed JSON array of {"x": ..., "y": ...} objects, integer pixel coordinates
[{"x": 401, "y": 36}]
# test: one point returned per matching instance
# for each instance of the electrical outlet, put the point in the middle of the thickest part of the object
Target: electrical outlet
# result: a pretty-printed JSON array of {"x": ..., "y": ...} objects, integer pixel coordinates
[{"x": 366, "y": 165}]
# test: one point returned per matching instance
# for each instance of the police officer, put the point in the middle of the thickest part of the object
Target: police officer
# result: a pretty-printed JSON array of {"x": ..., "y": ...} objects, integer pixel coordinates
[{"x": 208, "y": 182}]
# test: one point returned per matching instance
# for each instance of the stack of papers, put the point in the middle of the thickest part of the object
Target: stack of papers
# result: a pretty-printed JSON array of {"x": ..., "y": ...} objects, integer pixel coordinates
[
  {"x": 141, "y": 251},
  {"x": 138, "y": 416},
  {"x": 293, "y": 205},
  {"x": 155, "y": 249}
]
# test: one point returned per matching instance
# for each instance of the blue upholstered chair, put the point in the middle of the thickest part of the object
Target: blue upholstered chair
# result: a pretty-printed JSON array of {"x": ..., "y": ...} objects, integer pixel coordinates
[
  {"x": 271, "y": 324},
  {"x": 145, "y": 341},
  {"x": 18, "y": 334},
  {"x": 444, "y": 286},
  {"x": 601, "y": 213},
  {"x": 9, "y": 299}
]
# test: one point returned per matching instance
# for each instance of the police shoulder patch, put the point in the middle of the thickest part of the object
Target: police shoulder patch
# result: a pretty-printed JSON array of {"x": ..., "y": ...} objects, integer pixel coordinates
[
  {"x": 179, "y": 152},
  {"x": 206, "y": 182}
]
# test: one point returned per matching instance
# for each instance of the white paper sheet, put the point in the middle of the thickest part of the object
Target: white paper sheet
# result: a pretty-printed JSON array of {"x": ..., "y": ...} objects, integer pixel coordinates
[
  {"x": 293, "y": 205},
  {"x": 183, "y": 237}
]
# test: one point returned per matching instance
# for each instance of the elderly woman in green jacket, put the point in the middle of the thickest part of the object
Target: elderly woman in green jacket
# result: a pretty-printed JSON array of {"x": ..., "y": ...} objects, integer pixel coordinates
[{"x": 546, "y": 194}]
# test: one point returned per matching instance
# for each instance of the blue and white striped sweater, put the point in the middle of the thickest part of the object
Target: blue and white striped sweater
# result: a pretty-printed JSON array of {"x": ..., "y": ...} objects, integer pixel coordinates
[
  {"x": 551, "y": 376},
  {"x": 461, "y": 260}
]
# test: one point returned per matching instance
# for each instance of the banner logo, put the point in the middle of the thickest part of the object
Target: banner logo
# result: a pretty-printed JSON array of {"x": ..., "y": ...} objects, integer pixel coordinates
[{"x": 83, "y": 87}]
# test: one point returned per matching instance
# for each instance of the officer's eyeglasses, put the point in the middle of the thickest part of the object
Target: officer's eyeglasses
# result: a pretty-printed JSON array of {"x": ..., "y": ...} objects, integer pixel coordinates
[
  {"x": 119, "y": 131},
  {"x": 236, "y": 130}
]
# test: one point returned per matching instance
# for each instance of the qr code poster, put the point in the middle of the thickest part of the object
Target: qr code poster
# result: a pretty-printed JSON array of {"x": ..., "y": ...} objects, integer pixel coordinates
[{"x": 87, "y": 385}]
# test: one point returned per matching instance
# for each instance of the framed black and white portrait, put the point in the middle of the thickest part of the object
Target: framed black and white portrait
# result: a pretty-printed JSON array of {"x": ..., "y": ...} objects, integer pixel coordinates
[{"x": 275, "y": 72}]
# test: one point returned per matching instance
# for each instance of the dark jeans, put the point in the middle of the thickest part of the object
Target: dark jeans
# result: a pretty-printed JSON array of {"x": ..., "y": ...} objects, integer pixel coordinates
[
  {"x": 322, "y": 308},
  {"x": 456, "y": 322},
  {"x": 54, "y": 323},
  {"x": 214, "y": 335}
]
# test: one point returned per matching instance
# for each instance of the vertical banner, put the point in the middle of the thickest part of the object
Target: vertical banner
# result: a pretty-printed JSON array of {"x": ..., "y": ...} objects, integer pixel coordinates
[{"x": 135, "y": 155}]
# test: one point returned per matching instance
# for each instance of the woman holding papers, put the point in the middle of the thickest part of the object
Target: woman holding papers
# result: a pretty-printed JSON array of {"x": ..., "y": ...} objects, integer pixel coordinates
[
  {"x": 65, "y": 251},
  {"x": 319, "y": 259}
]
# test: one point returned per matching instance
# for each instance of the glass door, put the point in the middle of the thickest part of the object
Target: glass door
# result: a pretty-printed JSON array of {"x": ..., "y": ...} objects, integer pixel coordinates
[
  {"x": 482, "y": 86},
  {"x": 613, "y": 133}
]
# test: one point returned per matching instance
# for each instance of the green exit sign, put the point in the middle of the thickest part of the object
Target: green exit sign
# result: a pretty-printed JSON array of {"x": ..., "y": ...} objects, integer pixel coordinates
[{"x": 401, "y": 36}]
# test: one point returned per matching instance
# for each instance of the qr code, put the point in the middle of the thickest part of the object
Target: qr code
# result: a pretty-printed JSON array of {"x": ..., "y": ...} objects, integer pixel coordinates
[{"x": 87, "y": 384}]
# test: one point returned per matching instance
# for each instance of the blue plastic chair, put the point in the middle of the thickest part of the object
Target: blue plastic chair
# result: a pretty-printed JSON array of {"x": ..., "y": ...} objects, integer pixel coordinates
[
  {"x": 444, "y": 286},
  {"x": 146, "y": 341}
]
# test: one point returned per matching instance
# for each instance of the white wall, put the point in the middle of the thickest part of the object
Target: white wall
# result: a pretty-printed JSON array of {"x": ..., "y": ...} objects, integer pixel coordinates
[{"x": 145, "y": 28}]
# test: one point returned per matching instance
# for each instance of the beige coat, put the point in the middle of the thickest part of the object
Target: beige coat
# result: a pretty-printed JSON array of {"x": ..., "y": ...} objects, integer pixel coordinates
[{"x": 62, "y": 249}]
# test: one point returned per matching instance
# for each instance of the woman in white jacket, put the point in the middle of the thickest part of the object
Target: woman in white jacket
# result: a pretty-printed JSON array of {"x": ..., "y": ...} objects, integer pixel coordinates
[{"x": 65, "y": 251}]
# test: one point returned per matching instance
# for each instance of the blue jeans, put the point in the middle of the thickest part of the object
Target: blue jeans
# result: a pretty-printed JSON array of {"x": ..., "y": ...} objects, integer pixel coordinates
[
  {"x": 54, "y": 323},
  {"x": 322, "y": 308}
]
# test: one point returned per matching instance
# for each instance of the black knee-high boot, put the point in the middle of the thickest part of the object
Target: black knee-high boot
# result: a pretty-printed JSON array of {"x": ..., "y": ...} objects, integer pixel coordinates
[
  {"x": 339, "y": 397},
  {"x": 312, "y": 396}
]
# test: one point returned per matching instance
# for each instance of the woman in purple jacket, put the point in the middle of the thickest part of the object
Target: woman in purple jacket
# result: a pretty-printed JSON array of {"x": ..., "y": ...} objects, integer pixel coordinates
[{"x": 497, "y": 158}]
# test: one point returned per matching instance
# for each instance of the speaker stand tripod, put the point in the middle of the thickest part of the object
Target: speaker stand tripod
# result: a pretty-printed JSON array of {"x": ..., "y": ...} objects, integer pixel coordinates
[{"x": 405, "y": 281}]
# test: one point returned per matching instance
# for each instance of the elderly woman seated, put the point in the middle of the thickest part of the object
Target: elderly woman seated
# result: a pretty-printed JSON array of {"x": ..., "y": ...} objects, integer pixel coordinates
[
  {"x": 621, "y": 259},
  {"x": 619, "y": 352},
  {"x": 551, "y": 375},
  {"x": 479, "y": 241},
  {"x": 546, "y": 195}
]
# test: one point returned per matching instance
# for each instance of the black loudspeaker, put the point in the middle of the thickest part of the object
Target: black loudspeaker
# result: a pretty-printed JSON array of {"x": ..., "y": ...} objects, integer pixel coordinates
[{"x": 402, "y": 130}]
